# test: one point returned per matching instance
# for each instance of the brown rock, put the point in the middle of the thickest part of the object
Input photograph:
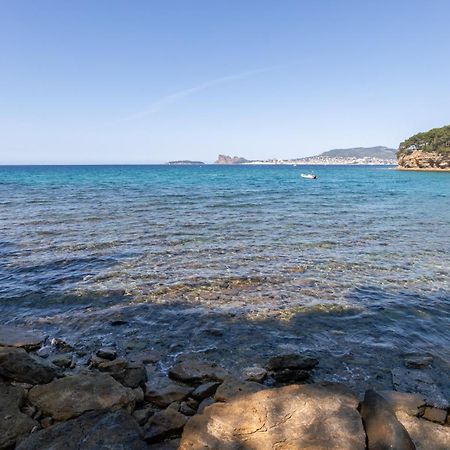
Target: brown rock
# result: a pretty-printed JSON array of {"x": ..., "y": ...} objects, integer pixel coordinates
[
  {"x": 231, "y": 388},
  {"x": 17, "y": 365},
  {"x": 205, "y": 390},
  {"x": 142, "y": 415},
  {"x": 195, "y": 371},
  {"x": 204, "y": 404},
  {"x": 293, "y": 417},
  {"x": 73, "y": 395},
  {"x": 170, "y": 444},
  {"x": 162, "y": 392},
  {"x": 411, "y": 404},
  {"x": 91, "y": 431},
  {"x": 13, "y": 423},
  {"x": 291, "y": 376},
  {"x": 424, "y": 160},
  {"x": 17, "y": 337},
  {"x": 435, "y": 415},
  {"x": 292, "y": 361},
  {"x": 426, "y": 435},
  {"x": 163, "y": 425},
  {"x": 133, "y": 376},
  {"x": 383, "y": 429},
  {"x": 186, "y": 409}
]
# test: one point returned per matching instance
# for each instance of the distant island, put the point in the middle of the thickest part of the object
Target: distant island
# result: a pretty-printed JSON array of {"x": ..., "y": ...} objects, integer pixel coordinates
[
  {"x": 429, "y": 150},
  {"x": 185, "y": 163},
  {"x": 345, "y": 156}
]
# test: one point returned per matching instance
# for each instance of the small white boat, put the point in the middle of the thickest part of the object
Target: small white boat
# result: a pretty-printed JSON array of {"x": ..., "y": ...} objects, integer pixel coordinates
[{"x": 309, "y": 176}]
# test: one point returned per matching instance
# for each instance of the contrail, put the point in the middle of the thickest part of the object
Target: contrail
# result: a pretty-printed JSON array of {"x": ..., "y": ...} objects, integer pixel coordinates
[{"x": 174, "y": 97}]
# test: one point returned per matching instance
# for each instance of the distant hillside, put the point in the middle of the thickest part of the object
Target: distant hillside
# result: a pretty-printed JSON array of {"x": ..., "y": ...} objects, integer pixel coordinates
[
  {"x": 185, "y": 162},
  {"x": 361, "y": 152},
  {"x": 225, "y": 159}
]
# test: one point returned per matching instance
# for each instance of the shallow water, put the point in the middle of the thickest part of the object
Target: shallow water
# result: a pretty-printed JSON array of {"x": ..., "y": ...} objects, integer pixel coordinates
[{"x": 354, "y": 266}]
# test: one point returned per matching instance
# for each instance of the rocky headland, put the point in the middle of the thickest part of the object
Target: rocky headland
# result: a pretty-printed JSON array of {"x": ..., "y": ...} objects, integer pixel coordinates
[
  {"x": 426, "y": 151},
  {"x": 55, "y": 396}
]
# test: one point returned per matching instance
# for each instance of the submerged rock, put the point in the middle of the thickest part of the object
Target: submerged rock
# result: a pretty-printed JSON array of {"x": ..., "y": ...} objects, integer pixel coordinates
[
  {"x": 418, "y": 361},
  {"x": 17, "y": 365},
  {"x": 13, "y": 423},
  {"x": 383, "y": 429},
  {"x": 91, "y": 431},
  {"x": 107, "y": 353},
  {"x": 17, "y": 337},
  {"x": 73, "y": 395},
  {"x": 293, "y": 417},
  {"x": 196, "y": 371},
  {"x": 291, "y": 361}
]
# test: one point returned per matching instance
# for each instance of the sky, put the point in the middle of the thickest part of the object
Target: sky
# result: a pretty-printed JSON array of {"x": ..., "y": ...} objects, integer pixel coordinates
[{"x": 111, "y": 81}]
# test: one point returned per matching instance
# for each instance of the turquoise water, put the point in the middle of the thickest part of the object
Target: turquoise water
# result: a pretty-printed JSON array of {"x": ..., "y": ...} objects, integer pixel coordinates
[{"x": 363, "y": 251}]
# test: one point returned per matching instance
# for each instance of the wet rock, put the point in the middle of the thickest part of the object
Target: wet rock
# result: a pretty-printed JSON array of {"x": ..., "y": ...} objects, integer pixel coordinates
[
  {"x": 419, "y": 381},
  {"x": 19, "y": 338},
  {"x": 61, "y": 345},
  {"x": 138, "y": 394},
  {"x": 62, "y": 361},
  {"x": 142, "y": 415},
  {"x": 291, "y": 376},
  {"x": 105, "y": 365},
  {"x": 13, "y": 423},
  {"x": 44, "y": 352},
  {"x": 418, "y": 362},
  {"x": 231, "y": 388},
  {"x": 46, "y": 422},
  {"x": 383, "y": 429},
  {"x": 412, "y": 404},
  {"x": 107, "y": 353},
  {"x": 91, "y": 431},
  {"x": 73, "y": 395},
  {"x": 291, "y": 361},
  {"x": 435, "y": 415},
  {"x": 170, "y": 444},
  {"x": 16, "y": 364},
  {"x": 292, "y": 417},
  {"x": 133, "y": 376},
  {"x": 426, "y": 435},
  {"x": 205, "y": 390},
  {"x": 163, "y": 425},
  {"x": 186, "y": 409},
  {"x": 195, "y": 371},
  {"x": 254, "y": 373},
  {"x": 162, "y": 392}
]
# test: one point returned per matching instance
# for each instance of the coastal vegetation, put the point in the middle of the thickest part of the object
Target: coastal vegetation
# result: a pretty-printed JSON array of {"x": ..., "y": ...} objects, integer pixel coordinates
[{"x": 435, "y": 140}]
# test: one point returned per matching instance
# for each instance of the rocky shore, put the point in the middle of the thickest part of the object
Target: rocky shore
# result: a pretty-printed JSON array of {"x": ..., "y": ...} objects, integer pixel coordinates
[
  {"x": 420, "y": 160},
  {"x": 48, "y": 400}
]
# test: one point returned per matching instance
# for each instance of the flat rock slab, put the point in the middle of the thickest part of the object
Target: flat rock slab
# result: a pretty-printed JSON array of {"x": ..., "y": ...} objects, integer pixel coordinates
[
  {"x": 13, "y": 423},
  {"x": 426, "y": 435},
  {"x": 196, "y": 371},
  {"x": 231, "y": 388},
  {"x": 72, "y": 396},
  {"x": 17, "y": 337},
  {"x": 419, "y": 381},
  {"x": 292, "y": 361},
  {"x": 16, "y": 364},
  {"x": 91, "y": 431},
  {"x": 411, "y": 404},
  {"x": 294, "y": 417}
]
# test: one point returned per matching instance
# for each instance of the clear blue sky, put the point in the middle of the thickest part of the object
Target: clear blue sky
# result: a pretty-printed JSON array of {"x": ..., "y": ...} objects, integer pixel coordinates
[{"x": 148, "y": 81}]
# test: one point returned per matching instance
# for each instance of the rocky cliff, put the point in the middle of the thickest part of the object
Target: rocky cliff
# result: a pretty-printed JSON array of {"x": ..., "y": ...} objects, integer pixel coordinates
[
  {"x": 225, "y": 159},
  {"x": 429, "y": 150},
  {"x": 418, "y": 159}
]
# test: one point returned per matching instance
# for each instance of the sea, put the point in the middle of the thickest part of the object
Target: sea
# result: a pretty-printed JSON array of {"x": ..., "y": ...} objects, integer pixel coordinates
[{"x": 235, "y": 263}]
